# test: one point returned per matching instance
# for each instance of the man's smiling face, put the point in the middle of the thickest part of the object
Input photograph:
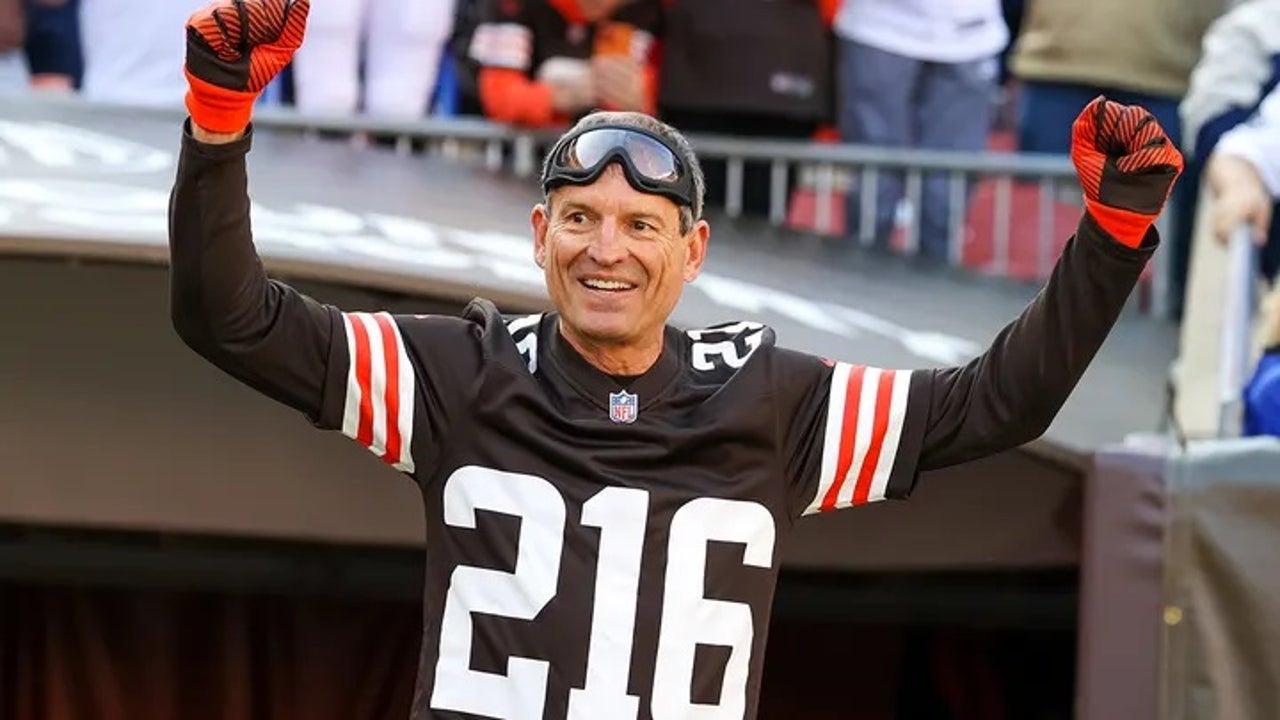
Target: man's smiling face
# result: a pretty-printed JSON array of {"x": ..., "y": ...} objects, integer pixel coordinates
[{"x": 615, "y": 260}]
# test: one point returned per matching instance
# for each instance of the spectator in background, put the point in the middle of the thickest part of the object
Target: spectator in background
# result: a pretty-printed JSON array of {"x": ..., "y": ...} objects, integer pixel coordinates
[
  {"x": 131, "y": 53},
  {"x": 548, "y": 62},
  {"x": 1262, "y": 394},
  {"x": 1239, "y": 65},
  {"x": 13, "y": 68},
  {"x": 402, "y": 43},
  {"x": 463, "y": 90},
  {"x": 53, "y": 48},
  {"x": 918, "y": 73},
  {"x": 1136, "y": 52},
  {"x": 1243, "y": 176},
  {"x": 747, "y": 68},
  {"x": 1006, "y": 119}
]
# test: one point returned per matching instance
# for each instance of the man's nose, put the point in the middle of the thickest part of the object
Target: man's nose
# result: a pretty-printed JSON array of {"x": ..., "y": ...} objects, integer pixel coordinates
[{"x": 609, "y": 246}]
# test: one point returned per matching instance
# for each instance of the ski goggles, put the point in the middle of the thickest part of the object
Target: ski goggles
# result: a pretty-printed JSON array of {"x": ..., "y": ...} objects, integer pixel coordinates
[{"x": 650, "y": 163}]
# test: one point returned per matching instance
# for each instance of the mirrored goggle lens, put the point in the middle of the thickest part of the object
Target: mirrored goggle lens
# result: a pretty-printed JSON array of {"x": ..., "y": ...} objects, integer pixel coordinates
[{"x": 651, "y": 158}]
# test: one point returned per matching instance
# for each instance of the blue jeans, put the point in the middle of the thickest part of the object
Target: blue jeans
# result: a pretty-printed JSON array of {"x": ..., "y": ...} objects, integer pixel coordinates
[
  {"x": 13, "y": 72},
  {"x": 1046, "y": 113},
  {"x": 1262, "y": 397},
  {"x": 896, "y": 101},
  {"x": 53, "y": 40}
]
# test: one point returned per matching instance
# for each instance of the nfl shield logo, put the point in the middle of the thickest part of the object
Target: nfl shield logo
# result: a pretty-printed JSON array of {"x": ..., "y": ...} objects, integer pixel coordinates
[{"x": 622, "y": 407}]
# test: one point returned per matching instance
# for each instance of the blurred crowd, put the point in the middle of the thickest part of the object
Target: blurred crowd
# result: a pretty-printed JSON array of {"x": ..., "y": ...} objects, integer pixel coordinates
[
  {"x": 938, "y": 74},
  {"x": 1231, "y": 117}
]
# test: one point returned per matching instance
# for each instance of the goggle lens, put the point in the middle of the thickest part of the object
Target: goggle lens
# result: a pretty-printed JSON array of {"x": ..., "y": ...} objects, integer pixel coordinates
[{"x": 649, "y": 157}]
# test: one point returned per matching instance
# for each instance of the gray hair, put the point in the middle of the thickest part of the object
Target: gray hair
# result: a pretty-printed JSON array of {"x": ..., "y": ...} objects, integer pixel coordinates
[{"x": 641, "y": 121}]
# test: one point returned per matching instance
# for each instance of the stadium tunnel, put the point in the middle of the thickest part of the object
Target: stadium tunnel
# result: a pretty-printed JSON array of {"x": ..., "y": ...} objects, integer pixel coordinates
[{"x": 145, "y": 496}]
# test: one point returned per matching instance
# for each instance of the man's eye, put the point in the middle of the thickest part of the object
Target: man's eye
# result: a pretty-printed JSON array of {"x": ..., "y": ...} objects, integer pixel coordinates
[
  {"x": 641, "y": 226},
  {"x": 577, "y": 218}
]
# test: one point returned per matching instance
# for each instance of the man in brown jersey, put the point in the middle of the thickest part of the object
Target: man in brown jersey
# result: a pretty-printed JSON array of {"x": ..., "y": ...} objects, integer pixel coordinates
[{"x": 607, "y": 495}]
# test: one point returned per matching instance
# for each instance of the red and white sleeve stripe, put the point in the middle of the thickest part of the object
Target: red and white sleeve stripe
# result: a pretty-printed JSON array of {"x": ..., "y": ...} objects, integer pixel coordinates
[
  {"x": 379, "y": 406},
  {"x": 865, "y": 412}
]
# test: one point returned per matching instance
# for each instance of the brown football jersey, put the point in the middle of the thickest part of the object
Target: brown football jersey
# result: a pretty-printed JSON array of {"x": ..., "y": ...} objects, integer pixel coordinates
[{"x": 602, "y": 547}]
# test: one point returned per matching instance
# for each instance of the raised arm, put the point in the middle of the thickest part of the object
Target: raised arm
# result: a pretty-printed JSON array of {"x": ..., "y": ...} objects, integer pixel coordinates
[
  {"x": 222, "y": 303},
  {"x": 1012, "y": 392},
  {"x": 857, "y": 434},
  {"x": 372, "y": 375}
]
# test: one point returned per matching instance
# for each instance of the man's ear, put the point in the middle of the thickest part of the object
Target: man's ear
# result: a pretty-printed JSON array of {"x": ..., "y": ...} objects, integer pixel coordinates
[
  {"x": 697, "y": 249},
  {"x": 540, "y": 218}
]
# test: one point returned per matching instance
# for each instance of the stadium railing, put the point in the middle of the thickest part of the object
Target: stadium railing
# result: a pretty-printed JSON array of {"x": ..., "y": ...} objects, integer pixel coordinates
[
  {"x": 1024, "y": 195},
  {"x": 1235, "y": 344},
  {"x": 1217, "y": 344},
  {"x": 1008, "y": 212}
]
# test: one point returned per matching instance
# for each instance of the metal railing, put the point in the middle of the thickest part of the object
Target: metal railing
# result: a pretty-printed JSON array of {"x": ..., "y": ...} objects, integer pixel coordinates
[
  {"x": 1013, "y": 181},
  {"x": 1235, "y": 347}
]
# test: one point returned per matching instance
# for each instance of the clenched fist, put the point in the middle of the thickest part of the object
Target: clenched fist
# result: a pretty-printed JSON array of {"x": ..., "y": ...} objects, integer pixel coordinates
[
  {"x": 234, "y": 49},
  {"x": 1127, "y": 166}
]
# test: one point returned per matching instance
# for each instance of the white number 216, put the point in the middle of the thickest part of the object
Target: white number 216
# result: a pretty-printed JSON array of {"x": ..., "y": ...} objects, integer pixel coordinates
[{"x": 621, "y": 514}]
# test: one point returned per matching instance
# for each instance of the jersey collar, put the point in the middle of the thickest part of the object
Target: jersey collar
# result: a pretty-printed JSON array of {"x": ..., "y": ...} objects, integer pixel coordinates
[{"x": 596, "y": 385}]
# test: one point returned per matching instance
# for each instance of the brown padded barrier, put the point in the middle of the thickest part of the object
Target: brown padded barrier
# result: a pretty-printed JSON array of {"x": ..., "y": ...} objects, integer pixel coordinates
[
  {"x": 1180, "y": 583},
  {"x": 1121, "y": 573},
  {"x": 1223, "y": 654}
]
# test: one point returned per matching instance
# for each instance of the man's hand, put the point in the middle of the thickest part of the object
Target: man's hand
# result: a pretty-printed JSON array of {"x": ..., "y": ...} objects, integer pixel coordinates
[
  {"x": 1126, "y": 165},
  {"x": 234, "y": 49},
  {"x": 619, "y": 80},
  {"x": 1239, "y": 197}
]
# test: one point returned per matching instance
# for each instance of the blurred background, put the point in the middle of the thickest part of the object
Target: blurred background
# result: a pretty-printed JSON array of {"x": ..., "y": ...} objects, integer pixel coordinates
[{"x": 888, "y": 182}]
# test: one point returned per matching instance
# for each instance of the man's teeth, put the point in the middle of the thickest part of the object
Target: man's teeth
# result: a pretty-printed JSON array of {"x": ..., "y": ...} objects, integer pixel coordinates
[{"x": 607, "y": 284}]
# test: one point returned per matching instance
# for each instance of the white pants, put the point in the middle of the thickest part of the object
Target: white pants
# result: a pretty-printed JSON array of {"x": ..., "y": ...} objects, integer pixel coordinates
[
  {"x": 134, "y": 50},
  {"x": 13, "y": 72},
  {"x": 402, "y": 42}
]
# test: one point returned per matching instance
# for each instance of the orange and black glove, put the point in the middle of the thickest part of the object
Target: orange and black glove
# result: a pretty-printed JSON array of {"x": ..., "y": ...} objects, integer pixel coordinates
[
  {"x": 234, "y": 49},
  {"x": 1127, "y": 166}
]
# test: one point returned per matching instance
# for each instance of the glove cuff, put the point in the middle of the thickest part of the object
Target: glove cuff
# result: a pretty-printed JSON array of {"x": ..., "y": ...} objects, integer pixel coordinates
[
  {"x": 1125, "y": 226},
  {"x": 218, "y": 109}
]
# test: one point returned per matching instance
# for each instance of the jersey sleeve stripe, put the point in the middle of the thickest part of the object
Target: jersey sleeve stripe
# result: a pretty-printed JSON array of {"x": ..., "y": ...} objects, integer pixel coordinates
[
  {"x": 377, "y": 388},
  {"x": 379, "y": 404},
  {"x": 403, "y": 461},
  {"x": 831, "y": 436},
  {"x": 859, "y": 428},
  {"x": 391, "y": 395},
  {"x": 865, "y": 414},
  {"x": 354, "y": 396},
  {"x": 360, "y": 382},
  {"x": 850, "y": 449},
  {"x": 893, "y": 435},
  {"x": 880, "y": 425}
]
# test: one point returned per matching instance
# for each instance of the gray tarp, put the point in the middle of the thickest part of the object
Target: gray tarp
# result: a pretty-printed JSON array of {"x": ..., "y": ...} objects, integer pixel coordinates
[
  {"x": 1223, "y": 582},
  {"x": 1180, "y": 589}
]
